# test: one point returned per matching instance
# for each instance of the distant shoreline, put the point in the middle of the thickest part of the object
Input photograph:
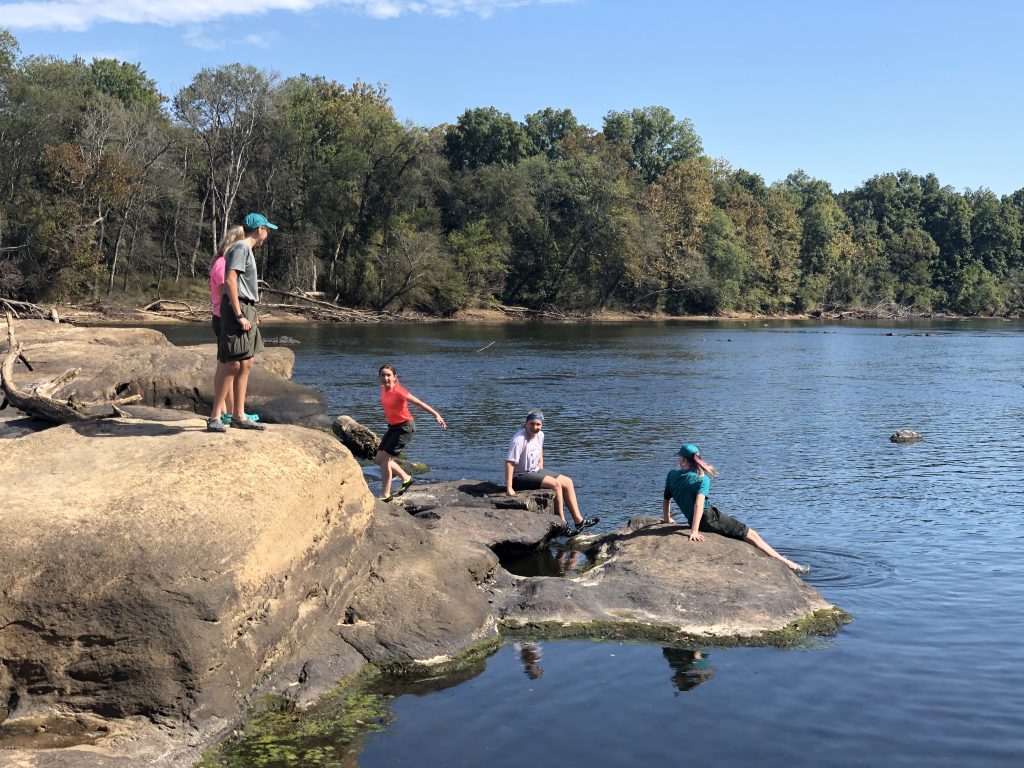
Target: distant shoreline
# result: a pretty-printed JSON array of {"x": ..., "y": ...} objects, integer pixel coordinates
[{"x": 121, "y": 315}]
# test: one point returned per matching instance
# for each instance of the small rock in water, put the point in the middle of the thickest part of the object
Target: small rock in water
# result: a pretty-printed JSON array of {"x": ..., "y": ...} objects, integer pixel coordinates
[
  {"x": 286, "y": 341},
  {"x": 905, "y": 436}
]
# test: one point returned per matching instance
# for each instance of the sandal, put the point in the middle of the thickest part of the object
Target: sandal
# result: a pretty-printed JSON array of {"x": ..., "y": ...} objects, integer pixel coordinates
[
  {"x": 587, "y": 523},
  {"x": 801, "y": 570},
  {"x": 215, "y": 425},
  {"x": 386, "y": 498},
  {"x": 405, "y": 486}
]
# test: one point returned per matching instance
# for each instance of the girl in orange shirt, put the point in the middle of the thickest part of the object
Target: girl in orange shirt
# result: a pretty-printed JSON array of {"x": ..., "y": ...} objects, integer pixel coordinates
[{"x": 395, "y": 398}]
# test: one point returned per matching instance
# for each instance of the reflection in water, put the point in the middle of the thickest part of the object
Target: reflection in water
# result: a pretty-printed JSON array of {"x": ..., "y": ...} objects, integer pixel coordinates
[
  {"x": 556, "y": 560},
  {"x": 690, "y": 668},
  {"x": 529, "y": 654}
]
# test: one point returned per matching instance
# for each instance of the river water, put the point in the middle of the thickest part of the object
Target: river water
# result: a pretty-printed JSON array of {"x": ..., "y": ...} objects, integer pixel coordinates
[{"x": 921, "y": 543}]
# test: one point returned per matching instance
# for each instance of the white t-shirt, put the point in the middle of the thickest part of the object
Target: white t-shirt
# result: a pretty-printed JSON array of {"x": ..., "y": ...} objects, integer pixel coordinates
[{"x": 524, "y": 452}]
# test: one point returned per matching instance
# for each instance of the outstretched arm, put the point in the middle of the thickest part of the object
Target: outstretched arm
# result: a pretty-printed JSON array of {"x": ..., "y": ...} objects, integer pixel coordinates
[
  {"x": 666, "y": 516},
  {"x": 698, "y": 513},
  {"x": 508, "y": 478},
  {"x": 416, "y": 401}
]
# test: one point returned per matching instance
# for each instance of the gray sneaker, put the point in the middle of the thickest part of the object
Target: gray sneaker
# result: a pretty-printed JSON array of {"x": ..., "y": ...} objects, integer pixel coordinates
[
  {"x": 247, "y": 424},
  {"x": 216, "y": 425}
]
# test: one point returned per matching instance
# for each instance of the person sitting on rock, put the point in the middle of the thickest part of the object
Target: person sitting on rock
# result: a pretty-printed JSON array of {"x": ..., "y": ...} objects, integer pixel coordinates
[
  {"x": 395, "y": 399},
  {"x": 524, "y": 471},
  {"x": 689, "y": 486}
]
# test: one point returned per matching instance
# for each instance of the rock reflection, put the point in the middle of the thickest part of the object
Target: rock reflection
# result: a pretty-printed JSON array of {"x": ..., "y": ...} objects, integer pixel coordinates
[{"x": 690, "y": 667}]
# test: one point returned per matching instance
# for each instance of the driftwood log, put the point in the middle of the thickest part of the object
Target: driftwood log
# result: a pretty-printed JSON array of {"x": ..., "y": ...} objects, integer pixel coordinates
[
  {"x": 316, "y": 307},
  {"x": 39, "y": 402},
  {"x": 11, "y": 306},
  {"x": 168, "y": 305}
]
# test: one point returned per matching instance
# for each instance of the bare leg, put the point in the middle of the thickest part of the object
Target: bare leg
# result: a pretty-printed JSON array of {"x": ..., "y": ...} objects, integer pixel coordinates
[
  {"x": 223, "y": 382},
  {"x": 241, "y": 384},
  {"x": 388, "y": 469},
  {"x": 569, "y": 491},
  {"x": 222, "y": 397},
  {"x": 552, "y": 484},
  {"x": 754, "y": 538},
  {"x": 397, "y": 470}
]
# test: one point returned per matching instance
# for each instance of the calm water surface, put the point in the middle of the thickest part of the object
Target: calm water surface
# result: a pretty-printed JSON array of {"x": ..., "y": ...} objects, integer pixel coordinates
[{"x": 921, "y": 543}]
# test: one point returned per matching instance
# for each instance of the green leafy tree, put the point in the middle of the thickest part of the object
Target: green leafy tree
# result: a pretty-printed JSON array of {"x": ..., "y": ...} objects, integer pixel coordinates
[
  {"x": 226, "y": 109},
  {"x": 995, "y": 231},
  {"x": 125, "y": 82},
  {"x": 485, "y": 136},
  {"x": 547, "y": 128},
  {"x": 652, "y": 138},
  {"x": 912, "y": 257}
]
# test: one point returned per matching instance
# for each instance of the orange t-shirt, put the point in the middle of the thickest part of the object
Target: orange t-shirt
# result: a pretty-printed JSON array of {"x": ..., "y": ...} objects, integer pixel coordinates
[{"x": 396, "y": 404}]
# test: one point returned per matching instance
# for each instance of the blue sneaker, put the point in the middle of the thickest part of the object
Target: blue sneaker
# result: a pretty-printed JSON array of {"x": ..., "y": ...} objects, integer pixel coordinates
[{"x": 227, "y": 417}]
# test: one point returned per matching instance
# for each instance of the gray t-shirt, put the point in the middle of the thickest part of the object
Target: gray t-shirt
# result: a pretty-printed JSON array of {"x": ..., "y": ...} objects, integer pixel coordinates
[
  {"x": 524, "y": 453},
  {"x": 240, "y": 258}
]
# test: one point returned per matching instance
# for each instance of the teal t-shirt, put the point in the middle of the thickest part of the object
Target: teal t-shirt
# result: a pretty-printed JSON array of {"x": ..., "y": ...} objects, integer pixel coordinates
[{"x": 684, "y": 487}]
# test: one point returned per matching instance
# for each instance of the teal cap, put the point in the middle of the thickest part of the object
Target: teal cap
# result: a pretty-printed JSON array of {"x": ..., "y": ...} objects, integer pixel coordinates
[
  {"x": 689, "y": 451},
  {"x": 255, "y": 221}
]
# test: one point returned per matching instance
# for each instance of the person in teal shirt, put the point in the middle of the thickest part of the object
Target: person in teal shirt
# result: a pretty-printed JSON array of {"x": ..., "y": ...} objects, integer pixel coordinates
[{"x": 689, "y": 487}]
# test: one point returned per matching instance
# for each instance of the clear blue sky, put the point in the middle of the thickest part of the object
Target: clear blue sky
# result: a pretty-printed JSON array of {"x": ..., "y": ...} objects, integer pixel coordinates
[{"x": 843, "y": 90}]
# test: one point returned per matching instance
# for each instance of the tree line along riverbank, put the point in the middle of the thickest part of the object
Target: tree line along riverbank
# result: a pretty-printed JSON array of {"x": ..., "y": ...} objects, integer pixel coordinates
[{"x": 113, "y": 189}]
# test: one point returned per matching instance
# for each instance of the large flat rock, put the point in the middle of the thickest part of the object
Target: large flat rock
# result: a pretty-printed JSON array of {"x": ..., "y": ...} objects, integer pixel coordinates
[
  {"x": 158, "y": 573},
  {"x": 645, "y": 580},
  {"x": 121, "y": 361}
]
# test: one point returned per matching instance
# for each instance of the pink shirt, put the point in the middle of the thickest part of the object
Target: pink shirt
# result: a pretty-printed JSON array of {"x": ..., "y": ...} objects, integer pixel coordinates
[{"x": 216, "y": 283}]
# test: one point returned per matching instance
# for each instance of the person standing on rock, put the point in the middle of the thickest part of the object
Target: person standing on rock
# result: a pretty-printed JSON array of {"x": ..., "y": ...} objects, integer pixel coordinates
[
  {"x": 524, "y": 471},
  {"x": 395, "y": 399},
  {"x": 689, "y": 486},
  {"x": 240, "y": 338},
  {"x": 222, "y": 407}
]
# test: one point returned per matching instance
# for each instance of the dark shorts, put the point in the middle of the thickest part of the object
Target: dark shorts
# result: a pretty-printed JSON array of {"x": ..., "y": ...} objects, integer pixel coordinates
[
  {"x": 215, "y": 324},
  {"x": 713, "y": 521},
  {"x": 397, "y": 438},
  {"x": 233, "y": 343},
  {"x": 531, "y": 481}
]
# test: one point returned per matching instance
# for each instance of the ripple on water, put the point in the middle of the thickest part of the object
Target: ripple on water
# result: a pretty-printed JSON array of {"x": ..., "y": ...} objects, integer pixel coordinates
[{"x": 842, "y": 569}]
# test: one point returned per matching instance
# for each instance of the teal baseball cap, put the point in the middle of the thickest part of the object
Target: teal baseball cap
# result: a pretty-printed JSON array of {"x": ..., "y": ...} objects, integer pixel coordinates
[
  {"x": 257, "y": 220},
  {"x": 689, "y": 451}
]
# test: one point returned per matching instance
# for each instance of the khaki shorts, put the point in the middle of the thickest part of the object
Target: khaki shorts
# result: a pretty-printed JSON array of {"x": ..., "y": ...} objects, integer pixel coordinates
[{"x": 234, "y": 343}]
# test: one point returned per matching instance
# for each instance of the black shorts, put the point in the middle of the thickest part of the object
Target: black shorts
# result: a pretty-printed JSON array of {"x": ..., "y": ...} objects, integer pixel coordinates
[
  {"x": 396, "y": 438},
  {"x": 215, "y": 323},
  {"x": 713, "y": 521},
  {"x": 530, "y": 481}
]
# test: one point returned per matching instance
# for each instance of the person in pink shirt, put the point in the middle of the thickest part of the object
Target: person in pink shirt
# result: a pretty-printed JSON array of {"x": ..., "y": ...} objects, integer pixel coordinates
[{"x": 395, "y": 399}]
